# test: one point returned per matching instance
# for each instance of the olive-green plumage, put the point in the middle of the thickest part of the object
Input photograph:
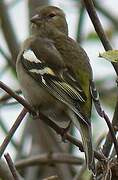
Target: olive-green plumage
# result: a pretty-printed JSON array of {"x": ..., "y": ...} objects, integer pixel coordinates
[
  {"x": 67, "y": 62},
  {"x": 73, "y": 55}
]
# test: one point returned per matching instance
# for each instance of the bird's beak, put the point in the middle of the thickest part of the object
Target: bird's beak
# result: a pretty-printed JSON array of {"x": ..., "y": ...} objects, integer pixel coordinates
[{"x": 35, "y": 18}]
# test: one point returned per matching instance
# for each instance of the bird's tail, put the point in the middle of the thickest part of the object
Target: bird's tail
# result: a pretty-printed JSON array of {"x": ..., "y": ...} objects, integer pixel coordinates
[
  {"x": 86, "y": 134},
  {"x": 87, "y": 144}
]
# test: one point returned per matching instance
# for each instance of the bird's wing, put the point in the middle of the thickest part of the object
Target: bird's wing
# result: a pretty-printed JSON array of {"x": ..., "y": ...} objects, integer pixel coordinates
[
  {"x": 70, "y": 78},
  {"x": 64, "y": 90}
]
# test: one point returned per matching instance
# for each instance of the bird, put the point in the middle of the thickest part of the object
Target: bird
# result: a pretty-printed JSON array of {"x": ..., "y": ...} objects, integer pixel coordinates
[{"x": 56, "y": 77}]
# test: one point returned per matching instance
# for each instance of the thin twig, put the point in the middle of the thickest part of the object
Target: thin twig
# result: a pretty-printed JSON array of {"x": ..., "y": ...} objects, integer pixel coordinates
[
  {"x": 12, "y": 131},
  {"x": 80, "y": 23},
  {"x": 8, "y": 31},
  {"x": 97, "y": 24},
  {"x": 111, "y": 130},
  {"x": 109, "y": 15},
  {"x": 49, "y": 159},
  {"x": 108, "y": 143},
  {"x": 98, "y": 28},
  {"x": 6, "y": 97},
  {"x": 99, "y": 141},
  {"x": 10, "y": 104},
  {"x": 5, "y": 173},
  {"x": 68, "y": 137},
  {"x": 5, "y": 55},
  {"x": 10, "y": 63},
  {"x": 5, "y": 130},
  {"x": 11, "y": 166},
  {"x": 15, "y": 96},
  {"x": 49, "y": 122}
]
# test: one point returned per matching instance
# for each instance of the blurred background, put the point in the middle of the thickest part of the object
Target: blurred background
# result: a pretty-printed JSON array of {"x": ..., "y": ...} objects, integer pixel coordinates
[{"x": 14, "y": 29}]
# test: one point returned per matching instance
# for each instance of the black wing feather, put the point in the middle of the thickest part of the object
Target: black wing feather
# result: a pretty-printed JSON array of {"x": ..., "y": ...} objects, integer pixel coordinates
[{"x": 57, "y": 86}]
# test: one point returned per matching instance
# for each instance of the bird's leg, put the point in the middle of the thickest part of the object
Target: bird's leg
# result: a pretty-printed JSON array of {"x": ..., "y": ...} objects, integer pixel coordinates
[
  {"x": 64, "y": 131},
  {"x": 35, "y": 114}
]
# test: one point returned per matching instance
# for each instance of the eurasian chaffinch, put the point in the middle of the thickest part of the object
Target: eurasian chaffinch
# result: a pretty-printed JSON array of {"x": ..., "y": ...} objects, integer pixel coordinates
[{"x": 56, "y": 76}]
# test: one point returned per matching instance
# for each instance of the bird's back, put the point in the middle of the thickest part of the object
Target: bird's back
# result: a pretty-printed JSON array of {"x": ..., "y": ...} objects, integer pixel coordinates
[{"x": 77, "y": 61}]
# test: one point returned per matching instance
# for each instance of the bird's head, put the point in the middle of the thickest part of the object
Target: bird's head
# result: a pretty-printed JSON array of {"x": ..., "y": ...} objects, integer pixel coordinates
[{"x": 49, "y": 17}]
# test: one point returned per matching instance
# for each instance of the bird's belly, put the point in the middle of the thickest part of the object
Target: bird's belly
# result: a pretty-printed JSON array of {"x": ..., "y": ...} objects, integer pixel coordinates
[
  {"x": 49, "y": 106},
  {"x": 38, "y": 97},
  {"x": 35, "y": 95},
  {"x": 32, "y": 91}
]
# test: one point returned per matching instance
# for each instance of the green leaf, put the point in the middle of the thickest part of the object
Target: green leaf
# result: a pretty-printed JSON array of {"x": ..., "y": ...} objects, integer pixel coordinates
[{"x": 111, "y": 55}]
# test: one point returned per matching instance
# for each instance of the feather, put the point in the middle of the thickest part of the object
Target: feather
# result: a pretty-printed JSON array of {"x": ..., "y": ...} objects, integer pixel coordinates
[{"x": 59, "y": 88}]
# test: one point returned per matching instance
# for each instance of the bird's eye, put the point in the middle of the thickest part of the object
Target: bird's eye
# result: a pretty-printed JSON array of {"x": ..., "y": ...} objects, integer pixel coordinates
[{"x": 51, "y": 15}]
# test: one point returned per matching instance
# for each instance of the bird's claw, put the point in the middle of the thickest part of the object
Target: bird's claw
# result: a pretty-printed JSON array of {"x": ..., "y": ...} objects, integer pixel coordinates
[
  {"x": 35, "y": 114},
  {"x": 65, "y": 130}
]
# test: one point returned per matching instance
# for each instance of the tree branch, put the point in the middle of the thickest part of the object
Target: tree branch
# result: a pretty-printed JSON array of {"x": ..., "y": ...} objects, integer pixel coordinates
[
  {"x": 5, "y": 130},
  {"x": 50, "y": 158},
  {"x": 107, "y": 14},
  {"x": 108, "y": 143},
  {"x": 6, "y": 97},
  {"x": 98, "y": 27},
  {"x": 12, "y": 131},
  {"x": 5, "y": 173},
  {"x": 112, "y": 132},
  {"x": 12, "y": 167},
  {"x": 15, "y": 96},
  {"x": 7, "y": 58},
  {"x": 50, "y": 123},
  {"x": 8, "y": 31}
]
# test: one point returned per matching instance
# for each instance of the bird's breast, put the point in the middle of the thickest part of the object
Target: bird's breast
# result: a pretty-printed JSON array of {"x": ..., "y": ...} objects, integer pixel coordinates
[
  {"x": 39, "y": 98},
  {"x": 32, "y": 91}
]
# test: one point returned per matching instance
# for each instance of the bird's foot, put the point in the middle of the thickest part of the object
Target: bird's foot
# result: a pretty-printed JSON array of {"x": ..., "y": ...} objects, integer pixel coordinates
[
  {"x": 35, "y": 114},
  {"x": 64, "y": 131}
]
